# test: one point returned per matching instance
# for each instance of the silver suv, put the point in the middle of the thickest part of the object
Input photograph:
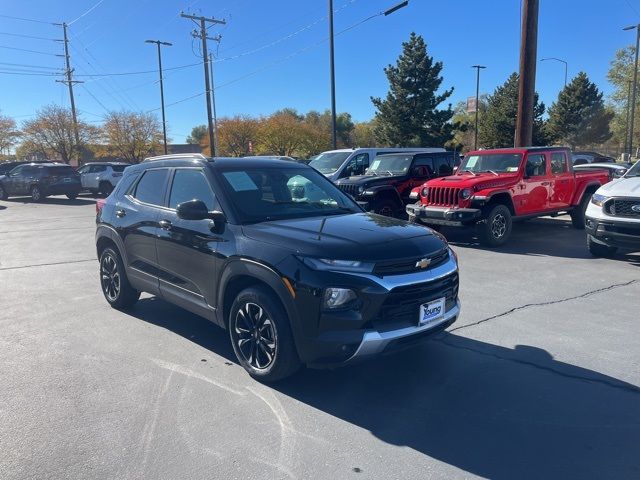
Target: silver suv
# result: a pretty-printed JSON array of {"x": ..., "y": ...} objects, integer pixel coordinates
[{"x": 101, "y": 177}]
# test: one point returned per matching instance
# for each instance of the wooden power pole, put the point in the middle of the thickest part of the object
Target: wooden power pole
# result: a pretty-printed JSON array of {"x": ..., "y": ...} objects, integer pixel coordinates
[{"x": 527, "y": 81}]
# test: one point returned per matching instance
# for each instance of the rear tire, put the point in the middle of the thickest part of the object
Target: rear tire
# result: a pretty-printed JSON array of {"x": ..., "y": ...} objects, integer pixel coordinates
[
  {"x": 106, "y": 188},
  {"x": 578, "y": 213},
  {"x": 114, "y": 282},
  {"x": 496, "y": 228},
  {"x": 72, "y": 196},
  {"x": 261, "y": 335},
  {"x": 599, "y": 250},
  {"x": 36, "y": 193}
]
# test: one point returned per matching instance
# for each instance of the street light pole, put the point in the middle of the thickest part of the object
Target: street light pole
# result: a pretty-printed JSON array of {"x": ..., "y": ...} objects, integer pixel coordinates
[
  {"x": 475, "y": 133},
  {"x": 332, "y": 72},
  {"x": 566, "y": 66},
  {"x": 164, "y": 122},
  {"x": 635, "y": 86},
  {"x": 626, "y": 132}
]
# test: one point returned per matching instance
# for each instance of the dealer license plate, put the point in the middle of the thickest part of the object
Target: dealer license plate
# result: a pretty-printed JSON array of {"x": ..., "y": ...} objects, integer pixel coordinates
[{"x": 431, "y": 312}]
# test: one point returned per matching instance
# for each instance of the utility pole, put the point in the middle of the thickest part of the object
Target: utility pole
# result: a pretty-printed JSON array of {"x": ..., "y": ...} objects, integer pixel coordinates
[
  {"x": 527, "y": 80},
  {"x": 475, "y": 133},
  {"x": 203, "y": 36},
  {"x": 332, "y": 73},
  {"x": 69, "y": 82},
  {"x": 635, "y": 87},
  {"x": 626, "y": 133},
  {"x": 213, "y": 101},
  {"x": 164, "y": 122}
]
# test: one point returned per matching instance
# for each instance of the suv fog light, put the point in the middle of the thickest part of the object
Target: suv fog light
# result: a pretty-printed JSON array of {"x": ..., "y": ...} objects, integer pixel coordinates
[{"x": 337, "y": 297}]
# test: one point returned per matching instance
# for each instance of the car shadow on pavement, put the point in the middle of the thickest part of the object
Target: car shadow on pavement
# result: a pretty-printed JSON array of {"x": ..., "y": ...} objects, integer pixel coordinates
[
  {"x": 53, "y": 201},
  {"x": 490, "y": 411},
  {"x": 194, "y": 328},
  {"x": 553, "y": 237}
]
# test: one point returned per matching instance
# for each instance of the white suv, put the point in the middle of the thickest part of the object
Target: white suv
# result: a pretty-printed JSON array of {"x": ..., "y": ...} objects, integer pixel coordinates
[
  {"x": 612, "y": 218},
  {"x": 101, "y": 177}
]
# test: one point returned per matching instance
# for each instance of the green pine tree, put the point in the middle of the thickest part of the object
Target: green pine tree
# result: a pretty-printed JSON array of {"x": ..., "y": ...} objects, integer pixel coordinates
[
  {"x": 409, "y": 115},
  {"x": 497, "y": 126},
  {"x": 578, "y": 117}
]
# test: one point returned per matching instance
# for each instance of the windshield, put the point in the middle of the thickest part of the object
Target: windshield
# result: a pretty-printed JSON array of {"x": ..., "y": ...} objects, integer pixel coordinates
[
  {"x": 634, "y": 171},
  {"x": 390, "y": 165},
  {"x": 329, "y": 162},
  {"x": 264, "y": 194},
  {"x": 493, "y": 162}
]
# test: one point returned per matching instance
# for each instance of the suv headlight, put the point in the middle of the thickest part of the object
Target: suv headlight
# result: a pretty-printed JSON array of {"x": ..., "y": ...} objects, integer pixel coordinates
[
  {"x": 337, "y": 265},
  {"x": 425, "y": 191},
  {"x": 598, "y": 199},
  {"x": 360, "y": 189},
  {"x": 465, "y": 193},
  {"x": 337, "y": 297}
]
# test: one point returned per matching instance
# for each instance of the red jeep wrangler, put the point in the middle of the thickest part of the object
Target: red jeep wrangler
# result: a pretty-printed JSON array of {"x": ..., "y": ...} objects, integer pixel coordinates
[{"x": 491, "y": 188}]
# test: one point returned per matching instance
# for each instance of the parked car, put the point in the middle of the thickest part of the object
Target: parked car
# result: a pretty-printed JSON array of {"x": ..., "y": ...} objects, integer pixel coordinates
[
  {"x": 492, "y": 188},
  {"x": 582, "y": 158},
  {"x": 616, "y": 170},
  {"x": 40, "y": 180},
  {"x": 613, "y": 215},
  {"x": 386, "y": 185},
  {"x": 101, "y": 177},
  {"x": 6, "y": 167},
  {"x": 293, "y": 281},
  {"x": 347, "y": 162}
]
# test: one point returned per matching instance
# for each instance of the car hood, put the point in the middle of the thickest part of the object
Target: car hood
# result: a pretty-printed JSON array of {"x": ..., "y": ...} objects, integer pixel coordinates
[
  {"x": 368, "y": 180},
  {"x": 359, "y": 236},
  {"x": 479, "y": 181},
  {"x": 623, "y": 187}
]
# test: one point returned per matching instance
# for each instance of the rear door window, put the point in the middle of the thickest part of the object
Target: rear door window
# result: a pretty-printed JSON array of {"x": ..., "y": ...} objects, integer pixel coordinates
[
  {"x": 151, "y": 187},
  {"x": 118, "y": 168}
]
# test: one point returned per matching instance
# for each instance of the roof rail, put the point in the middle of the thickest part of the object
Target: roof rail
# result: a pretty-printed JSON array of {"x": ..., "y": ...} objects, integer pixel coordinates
[{"x": 195, "y": 156}]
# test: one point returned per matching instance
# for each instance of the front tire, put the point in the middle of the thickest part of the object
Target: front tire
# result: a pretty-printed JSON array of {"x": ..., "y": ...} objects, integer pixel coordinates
[
  {"x": 496, "y": 229},
  {"x": 114, "y": 282},
  {"x": 385, "y": 207},
  {"x": 72, "y": 196},
  {"x": 598, "y": 249},
  {"x": 3, "y": 193},
  {"x": 261, "y": 336},
  {"x": 106, "y": 188}
]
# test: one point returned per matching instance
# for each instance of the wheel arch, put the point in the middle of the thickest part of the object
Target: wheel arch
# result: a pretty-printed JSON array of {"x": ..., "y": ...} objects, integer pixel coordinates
[{"x": 502, "y": 198}]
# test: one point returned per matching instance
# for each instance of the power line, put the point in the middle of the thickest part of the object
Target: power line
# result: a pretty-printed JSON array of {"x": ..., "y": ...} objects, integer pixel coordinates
[
  {"x": 30, "y": 74},
  {"x": 142, "y": 72},
  {"x": 95, "y": 98},
  {"x": 32, "y": 66},
  {"x": 632, "y": 7},
  {"x": 29, "y": 51},
  {"x": 27, "y": 36},
  {"x": 87, "y": 12},
  {"x": 26, "y": 19}
]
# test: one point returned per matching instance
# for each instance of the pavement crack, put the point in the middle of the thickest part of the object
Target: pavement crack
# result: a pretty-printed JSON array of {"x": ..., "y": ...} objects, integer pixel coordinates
[
  {"x": 620, "y": 385},
  {"x": 47, "y": 264},
  {"x": 542, "y": 304}
]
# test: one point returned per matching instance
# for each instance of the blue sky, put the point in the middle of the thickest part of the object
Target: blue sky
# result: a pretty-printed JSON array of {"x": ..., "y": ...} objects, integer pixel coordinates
[{"x": 260, "y": 70}]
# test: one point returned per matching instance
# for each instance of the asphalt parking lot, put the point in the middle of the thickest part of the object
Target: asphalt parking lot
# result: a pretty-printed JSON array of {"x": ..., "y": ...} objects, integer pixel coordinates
[{"x": 538, "y": 379}]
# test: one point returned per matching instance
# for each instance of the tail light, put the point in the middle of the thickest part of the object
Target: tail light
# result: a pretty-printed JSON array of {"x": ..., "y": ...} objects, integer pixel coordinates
[{"x": 100, "y": 205}]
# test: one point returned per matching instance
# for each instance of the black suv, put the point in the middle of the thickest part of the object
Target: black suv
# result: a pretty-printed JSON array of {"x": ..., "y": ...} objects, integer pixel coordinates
[
  {"x": 39, "y": 180},
  {"x": 386, "y": 185},
  {"x": 272, "y": 251}
]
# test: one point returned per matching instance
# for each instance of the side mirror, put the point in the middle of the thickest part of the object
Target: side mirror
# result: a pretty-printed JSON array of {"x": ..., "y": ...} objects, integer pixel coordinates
[{"x": 192, "y": 210}]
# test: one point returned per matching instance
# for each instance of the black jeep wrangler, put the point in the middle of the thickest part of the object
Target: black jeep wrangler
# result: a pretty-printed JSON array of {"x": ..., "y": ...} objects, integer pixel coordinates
[{"x": 386, "y": 185}]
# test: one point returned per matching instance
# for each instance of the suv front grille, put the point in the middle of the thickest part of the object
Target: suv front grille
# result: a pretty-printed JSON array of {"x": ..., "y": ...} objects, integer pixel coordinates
[
  {"x": 445, "y": 196},
  {"x": 408, "y": 265},
  {"x": 623, "y": 208},
  {"x": 402, "y": 305},
  {"x": 349, "y": 188}
]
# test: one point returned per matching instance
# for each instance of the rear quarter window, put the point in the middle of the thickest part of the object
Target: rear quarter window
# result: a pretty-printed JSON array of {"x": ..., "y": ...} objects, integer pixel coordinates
[
  {"x": 118, "y": 168},
  {"x": 151, "y": 187}
]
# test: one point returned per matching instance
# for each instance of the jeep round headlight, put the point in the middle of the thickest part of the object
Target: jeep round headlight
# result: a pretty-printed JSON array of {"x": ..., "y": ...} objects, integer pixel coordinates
[
  {"x": 425, "y": 191},
  {"x": 465, "y": 193},
  {"x": 360, "y": 189}
]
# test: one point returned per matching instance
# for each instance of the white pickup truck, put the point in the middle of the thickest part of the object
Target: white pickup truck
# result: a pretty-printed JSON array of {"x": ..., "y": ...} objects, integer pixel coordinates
[
  {"x": 101, "y": 177},
  {"x": 612, "y": 219}
]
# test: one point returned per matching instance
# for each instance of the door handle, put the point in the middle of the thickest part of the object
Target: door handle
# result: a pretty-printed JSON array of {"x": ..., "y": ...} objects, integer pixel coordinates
[
  {"x": 120, "y": 213},
  {"x": 165, "y": 224},
  {"x": 545, "y": 184}
]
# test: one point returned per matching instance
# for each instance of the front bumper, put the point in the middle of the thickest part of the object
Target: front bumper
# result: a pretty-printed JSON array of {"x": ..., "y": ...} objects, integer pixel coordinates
[
  {"x": 614, "y": 233},
  {"x": 453, "y": 217}
]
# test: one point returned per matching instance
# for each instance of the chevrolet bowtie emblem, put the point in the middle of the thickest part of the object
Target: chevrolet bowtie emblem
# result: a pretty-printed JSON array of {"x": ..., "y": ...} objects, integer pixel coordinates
[{"x": 424, "y": 263}]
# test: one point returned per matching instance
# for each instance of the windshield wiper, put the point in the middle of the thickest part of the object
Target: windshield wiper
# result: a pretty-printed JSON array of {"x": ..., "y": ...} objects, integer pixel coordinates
[
  {"x": 472, "y": 173},
  {"x": 491, "y": 171},
  {"x": 389, "y": 172}
]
